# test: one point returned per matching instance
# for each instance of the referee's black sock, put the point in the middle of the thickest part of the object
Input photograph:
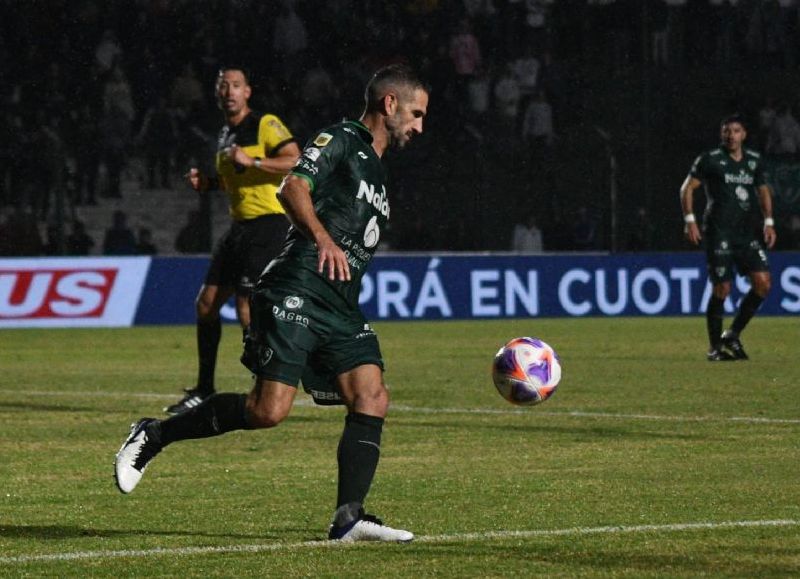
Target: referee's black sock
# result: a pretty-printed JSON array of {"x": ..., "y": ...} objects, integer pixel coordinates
[
  {"x": 714, "y": 312},
  {"x": 217, "y": 415},
  {"x": 208, "y": 336},
  {"x": 359, "y": 451},
  {"x": 747, "y": 309}
]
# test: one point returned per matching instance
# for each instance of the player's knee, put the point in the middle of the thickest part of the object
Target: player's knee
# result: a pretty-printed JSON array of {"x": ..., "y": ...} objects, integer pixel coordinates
[
  {"x": 374, "y": 401},
  {"x": 762, "y": 286},
  {"x": 260, "y": 416},
  {"x": 721, "y": 290},
  {"x": 205, "y": 310}
]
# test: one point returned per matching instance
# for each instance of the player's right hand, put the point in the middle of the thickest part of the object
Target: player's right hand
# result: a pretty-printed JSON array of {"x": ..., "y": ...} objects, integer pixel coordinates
[
  {"x": 332, "y": 258},
  {"x": 692, "y": 233},
  {"x": 196, "y": 179}
]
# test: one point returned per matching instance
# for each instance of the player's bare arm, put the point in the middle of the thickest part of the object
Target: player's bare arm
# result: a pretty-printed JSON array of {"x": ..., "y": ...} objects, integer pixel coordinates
[
  {"x": 295, "y": 196},
  {"x": 765, "y": 201},
  {"x": 690, "y": 230}
]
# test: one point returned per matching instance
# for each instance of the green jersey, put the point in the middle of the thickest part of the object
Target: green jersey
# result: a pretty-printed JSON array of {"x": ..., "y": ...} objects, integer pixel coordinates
[
  {"x": 731, "y": 198},
  {"x": 348, "y": 189}
]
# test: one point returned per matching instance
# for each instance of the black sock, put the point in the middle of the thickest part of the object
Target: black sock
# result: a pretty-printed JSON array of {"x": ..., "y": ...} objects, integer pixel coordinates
[
  {"x": 747, "y": 309},
  {"x": 359, "y": 451},
  {"x": 208, "y": 336},
  {"x": 217, "y": 415},
  {"x": 714, "y": 312}
]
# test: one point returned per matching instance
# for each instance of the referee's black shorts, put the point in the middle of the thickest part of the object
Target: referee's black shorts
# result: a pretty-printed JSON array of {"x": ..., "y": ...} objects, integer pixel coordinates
[{"x": 244, "y": 251}]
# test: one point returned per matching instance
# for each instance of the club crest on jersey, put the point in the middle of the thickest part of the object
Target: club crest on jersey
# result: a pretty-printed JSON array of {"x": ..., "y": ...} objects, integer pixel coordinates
[
  {"x": 323, "y": 139},
  {"x": 752, "y": 165},
  {"x": 265, "y": 355},
  {"x": 292, "y": 302},
  {"x": 380, "y": 202},
  {"x": 312, "y": 153}
]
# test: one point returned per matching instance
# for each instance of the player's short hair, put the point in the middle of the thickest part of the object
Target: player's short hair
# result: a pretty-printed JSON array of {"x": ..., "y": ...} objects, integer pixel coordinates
[
  {"x": 235, "y": 66},
  {"x": 399, "y": 77},
  {"x": 734, "y": 118}
]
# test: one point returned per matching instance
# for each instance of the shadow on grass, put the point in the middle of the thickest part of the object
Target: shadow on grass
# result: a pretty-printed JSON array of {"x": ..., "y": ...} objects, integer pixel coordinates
[
  {"x": 25, "y": 406},
  {"x": 587, "y": 432},
  {"x": 73, "y": 531}
]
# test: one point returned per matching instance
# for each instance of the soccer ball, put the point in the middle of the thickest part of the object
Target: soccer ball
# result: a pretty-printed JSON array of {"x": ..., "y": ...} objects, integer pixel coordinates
[{"x": 526, "y": 371}]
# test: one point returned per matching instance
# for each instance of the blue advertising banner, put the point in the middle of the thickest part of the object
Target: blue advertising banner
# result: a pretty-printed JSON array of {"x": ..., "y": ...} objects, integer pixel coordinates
[
  {"x": 476, "y": 286},
  {"x": 170, "y": 291},
  {"x": 469, "y": 286},
  {"x": 123, "y": 291}
]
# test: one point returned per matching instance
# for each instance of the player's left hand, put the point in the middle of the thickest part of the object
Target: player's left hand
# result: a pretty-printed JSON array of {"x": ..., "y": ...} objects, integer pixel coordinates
[{"x": 770, "y": 236}]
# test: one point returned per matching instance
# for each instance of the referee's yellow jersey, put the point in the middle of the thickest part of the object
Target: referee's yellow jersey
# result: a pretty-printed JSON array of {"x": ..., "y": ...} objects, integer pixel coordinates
[{"x": 251, "y": 191}]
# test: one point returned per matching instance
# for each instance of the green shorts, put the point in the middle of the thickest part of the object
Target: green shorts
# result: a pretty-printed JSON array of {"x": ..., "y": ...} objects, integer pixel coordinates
[
  {"x": 293, "y": 337},
  {"x": 724, "y": 255}
]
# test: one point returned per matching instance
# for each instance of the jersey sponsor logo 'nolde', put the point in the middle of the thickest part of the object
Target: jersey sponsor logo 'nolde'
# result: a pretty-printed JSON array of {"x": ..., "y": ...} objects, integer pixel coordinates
[
  {"x": 379, "y": 202},
  {"x": 742, "y": 178}
]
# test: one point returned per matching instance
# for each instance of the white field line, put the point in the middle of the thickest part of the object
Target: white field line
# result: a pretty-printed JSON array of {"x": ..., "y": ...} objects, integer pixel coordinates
[
  {"x": 451, "y": 538},
  {"x": 424, "y": 410}
]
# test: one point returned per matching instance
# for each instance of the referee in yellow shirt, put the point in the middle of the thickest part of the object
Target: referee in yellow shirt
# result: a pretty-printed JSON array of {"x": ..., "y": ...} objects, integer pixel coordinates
[{"x": 254, "y": 152}]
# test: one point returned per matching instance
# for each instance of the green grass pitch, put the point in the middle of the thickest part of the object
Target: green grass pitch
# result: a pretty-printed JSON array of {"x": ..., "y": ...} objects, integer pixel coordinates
[{"x": 647, "y": 462}]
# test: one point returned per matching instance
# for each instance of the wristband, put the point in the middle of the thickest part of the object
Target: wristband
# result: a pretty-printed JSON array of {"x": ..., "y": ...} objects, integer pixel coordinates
[
  {"x": 769, "y": 222},
  {"x": 257, "y": 163},
  {"x": 689, "y": 218}
]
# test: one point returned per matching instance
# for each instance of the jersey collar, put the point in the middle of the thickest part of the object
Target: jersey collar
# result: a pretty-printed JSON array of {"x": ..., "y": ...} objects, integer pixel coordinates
[{"x": 363, "y": 130}]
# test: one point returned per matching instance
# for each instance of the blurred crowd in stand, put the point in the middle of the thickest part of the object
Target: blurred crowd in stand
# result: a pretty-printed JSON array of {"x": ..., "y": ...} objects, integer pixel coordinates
[{"x": 89, "y": 86}]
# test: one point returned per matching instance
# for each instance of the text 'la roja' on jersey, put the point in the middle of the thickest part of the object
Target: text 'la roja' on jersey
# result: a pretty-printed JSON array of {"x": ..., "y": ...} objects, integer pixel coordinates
[
  {"x": 348, "y": 190},
  {"x": 731, "y": 188},
  {"x": 251, "y": 191}
]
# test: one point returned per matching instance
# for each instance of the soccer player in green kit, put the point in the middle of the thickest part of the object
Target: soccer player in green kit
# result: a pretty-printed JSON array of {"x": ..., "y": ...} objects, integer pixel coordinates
[
  {"x": 305, "y": 319},
  {"x": 733, "y": 231}
]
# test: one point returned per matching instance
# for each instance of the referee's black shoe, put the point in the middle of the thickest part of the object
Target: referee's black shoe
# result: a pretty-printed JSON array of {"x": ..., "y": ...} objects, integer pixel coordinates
[
  {"x": 192, "y": 398},
  {"x": 717, "y": 354},
  {"x": 731, "y": 343}
]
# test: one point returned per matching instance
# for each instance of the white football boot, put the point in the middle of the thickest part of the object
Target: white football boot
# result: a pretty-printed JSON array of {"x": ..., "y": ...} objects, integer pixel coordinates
[
  {"x": 134, "y": 455},
  {"x": 368, "y": 528}
]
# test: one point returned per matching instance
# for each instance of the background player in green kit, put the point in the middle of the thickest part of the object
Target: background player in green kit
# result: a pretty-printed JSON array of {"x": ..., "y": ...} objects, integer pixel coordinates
[
  {"x": 305, "y": 319},
  {"x": 737, "y": 199}
]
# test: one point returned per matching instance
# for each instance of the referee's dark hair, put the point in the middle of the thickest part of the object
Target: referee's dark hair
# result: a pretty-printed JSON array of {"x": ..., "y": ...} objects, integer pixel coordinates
[
  {"x": 734, "y": 118},
  {"x": 235, "y": 66}
]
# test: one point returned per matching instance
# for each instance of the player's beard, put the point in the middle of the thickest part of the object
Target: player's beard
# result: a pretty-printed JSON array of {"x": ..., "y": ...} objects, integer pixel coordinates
[{"x": 397, "y": 138}]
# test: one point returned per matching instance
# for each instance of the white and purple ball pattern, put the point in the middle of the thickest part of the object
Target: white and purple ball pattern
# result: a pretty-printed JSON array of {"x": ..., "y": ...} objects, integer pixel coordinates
[{"x": 526, "y": 371}]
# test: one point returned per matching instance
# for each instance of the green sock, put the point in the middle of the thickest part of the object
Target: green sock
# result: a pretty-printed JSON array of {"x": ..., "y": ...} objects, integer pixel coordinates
[
  {"x": 714, "y": 311},
  {"x": 747, "y": 309},
  {"x": 216, "y": 415},
  {"x": 359, "y": 451}
]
